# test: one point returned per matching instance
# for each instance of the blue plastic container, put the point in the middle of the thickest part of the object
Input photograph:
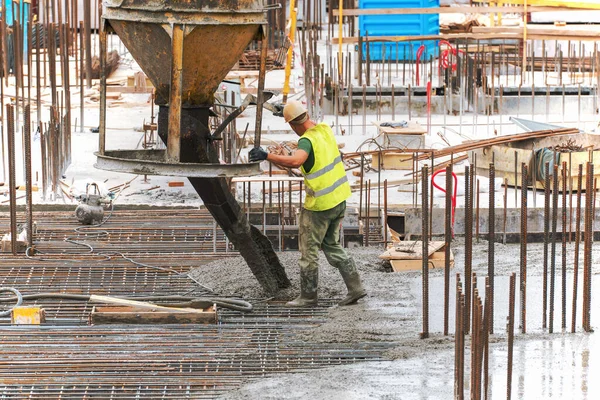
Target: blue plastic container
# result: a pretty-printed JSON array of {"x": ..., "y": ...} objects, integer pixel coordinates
[
  {"x": 7, "y": 8},
  {"x": 399, "y": 25}
]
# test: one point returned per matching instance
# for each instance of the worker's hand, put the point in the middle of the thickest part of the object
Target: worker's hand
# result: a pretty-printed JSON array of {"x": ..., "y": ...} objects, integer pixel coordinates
[
  {"x": 258, "y": 154},
  {"x": 278, "y": 109}
]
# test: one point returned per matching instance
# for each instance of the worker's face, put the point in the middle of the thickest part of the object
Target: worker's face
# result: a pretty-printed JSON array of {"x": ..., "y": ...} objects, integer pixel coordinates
[{"x": 299, "y": 129}]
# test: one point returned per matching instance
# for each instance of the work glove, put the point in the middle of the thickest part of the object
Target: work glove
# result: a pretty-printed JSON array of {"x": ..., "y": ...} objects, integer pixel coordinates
[
  {"x": 278, "y": 109},
  {"x": 258, "y": 154}
]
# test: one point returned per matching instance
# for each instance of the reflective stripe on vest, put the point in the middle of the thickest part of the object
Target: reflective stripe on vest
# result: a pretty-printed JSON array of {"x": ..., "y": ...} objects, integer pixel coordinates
[
  {"x": 327, "y": 184},
  {"x": 325, "y": 169},
  {"x": 329, "y": 189}
]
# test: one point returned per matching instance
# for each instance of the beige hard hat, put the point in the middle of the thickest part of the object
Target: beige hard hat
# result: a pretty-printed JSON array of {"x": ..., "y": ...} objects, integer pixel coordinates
[{"x": 292, "y": 110}]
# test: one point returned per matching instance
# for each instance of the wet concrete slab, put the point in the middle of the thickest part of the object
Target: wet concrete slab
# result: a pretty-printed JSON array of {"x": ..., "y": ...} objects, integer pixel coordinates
[
  {"x": 545, "y": 366},
  {"x": 564, "y": 366},
  {"x": 534, "y": 302}
]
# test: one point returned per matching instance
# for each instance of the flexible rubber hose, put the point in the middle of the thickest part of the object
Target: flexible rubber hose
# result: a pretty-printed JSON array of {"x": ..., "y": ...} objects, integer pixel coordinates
[
  {"x": 17, "y": 296},
  {"x": 231, "y": 304},
  {"x": 543, "y": 156}
]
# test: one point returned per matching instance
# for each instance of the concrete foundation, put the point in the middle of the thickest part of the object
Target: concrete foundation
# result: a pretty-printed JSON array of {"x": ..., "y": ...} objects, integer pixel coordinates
[
  {"x": 575, "y": 102},
  {"x": 535, "y": 222}
]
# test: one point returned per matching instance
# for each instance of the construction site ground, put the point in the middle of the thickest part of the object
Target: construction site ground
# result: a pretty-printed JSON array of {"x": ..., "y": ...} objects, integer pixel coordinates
[{"x": 370, "y": 350}]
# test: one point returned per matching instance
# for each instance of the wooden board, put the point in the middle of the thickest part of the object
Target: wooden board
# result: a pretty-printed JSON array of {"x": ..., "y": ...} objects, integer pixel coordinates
[
  {"x": 410, "y": 250},
  {"x": 394, "y": 161},
  {"x": 132, "y": 315},
  {"x": 413, "y": 128},
  {"x": 534, "y": 30},
  {"x": 543, "y": 7},
  {"x": 6, "y": 246},
  {"x": 436, "y": 260},
  {"x": 25, "y": 315},
  {"x": 563, "y": 4}
]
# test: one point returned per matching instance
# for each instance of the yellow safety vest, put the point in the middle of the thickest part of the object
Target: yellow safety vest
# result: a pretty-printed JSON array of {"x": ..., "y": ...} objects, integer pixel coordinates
[{"x": 326, "y": 184}]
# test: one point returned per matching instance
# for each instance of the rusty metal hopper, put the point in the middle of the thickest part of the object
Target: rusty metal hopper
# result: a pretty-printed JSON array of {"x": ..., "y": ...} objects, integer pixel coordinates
[
  {"x": 215, "y": 33},
  {"x": 186, "y": 47}
]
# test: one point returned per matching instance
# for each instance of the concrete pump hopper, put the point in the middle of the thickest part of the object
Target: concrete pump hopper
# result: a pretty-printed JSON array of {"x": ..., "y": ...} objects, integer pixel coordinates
[{"x": 186, "y": 48}]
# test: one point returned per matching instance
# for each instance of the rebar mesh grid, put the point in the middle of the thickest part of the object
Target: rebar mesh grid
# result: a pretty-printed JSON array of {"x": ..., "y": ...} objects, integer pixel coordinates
[{"x": 68, "y": 359}]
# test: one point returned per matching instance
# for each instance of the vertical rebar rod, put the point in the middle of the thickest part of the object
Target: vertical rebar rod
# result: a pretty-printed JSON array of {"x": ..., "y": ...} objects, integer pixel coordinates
[
  {"x": 385, "y": 213},
  {"x": 87, "y": 19},
  {"x": 10, "y": 117},
  {"x": 546, "y": 243},
  {"x": 564, "y": 247},
  {"x": 38, "y": 73},
  {"x": 505, "y": 203},
  {"x": 468, "y": 242},
  {"x": 28, "y": 183},
  {"x": 516, "y": 178},
  {"x": 264, "y": 208},
  {"x": 448, "y": 239},
  {"x": 360, "y": 196},
  {"x": 488, "y": 322},
  {"x": 510, "y": 328},
  {"x": 425, "y": 249},
  {"x": 577, "y": 241},
  {"x": 523, "y": 271},
  {"x": 570, "y": 197},
  {"x": 587, "y": 248},
  {"x": 459, "y": 347},
  {"x": 81, "y": 80},
  {"x": 431, "y": 197},
  {"x": 553, "y": 246},
  {"x": 477, "y": 213},
  {"x": 491, "y": 240},
  {"x": 368, "y": 213},
  {"x": 260, "y": 98},
  {"x": 102, "y": 56}
]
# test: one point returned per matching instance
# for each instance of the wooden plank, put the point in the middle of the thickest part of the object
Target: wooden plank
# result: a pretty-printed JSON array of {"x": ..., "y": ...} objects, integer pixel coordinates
[
  {"x": 133, "y": 315},
  {"x": 472, "y": 145},
  {"x": 413, "y": 128},
  {"x": 394, "y": 161},
  {"x": 410, "y": 250},
  {"x": 533, "y": 30},
  {"x": 436, "y": 260},
  {"x": 27, "y": 315},
  {"x": 460, "y": 10},
  {"x": 563, "y": 4},
  {"x": 242, "y": 74},
  {"x": 267, "y": 179},
  {"x": 514, "y": 35},
  {"x": 446, "y": 36},
  {"x": 128, "y": 89}
]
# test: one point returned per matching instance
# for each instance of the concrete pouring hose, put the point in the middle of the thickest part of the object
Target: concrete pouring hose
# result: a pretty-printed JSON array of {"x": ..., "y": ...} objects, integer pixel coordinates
[
  {"x": 185, "y": 301},
  {"x": 17, "y": 296}
]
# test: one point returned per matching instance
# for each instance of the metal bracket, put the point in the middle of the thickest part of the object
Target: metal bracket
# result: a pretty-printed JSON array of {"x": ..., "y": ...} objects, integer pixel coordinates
[{"x": 151, "y": 162}]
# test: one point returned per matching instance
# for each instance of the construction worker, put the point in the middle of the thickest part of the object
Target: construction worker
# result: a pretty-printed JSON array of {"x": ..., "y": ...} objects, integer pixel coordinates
[{"x": 327, "y": 189}]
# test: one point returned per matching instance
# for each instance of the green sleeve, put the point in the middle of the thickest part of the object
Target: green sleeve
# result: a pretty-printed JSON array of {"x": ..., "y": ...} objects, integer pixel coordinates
[{"x": 305, "y": 144}]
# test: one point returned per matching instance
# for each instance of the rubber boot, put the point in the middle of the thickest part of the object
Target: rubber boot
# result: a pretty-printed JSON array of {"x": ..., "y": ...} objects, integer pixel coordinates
[
  {"x": 356, "y": 291},
  {"x": 309, "y": 280}
]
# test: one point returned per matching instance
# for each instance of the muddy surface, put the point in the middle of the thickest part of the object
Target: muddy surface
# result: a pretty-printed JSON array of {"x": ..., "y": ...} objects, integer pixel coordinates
[{"x": 391, "y": 313}]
